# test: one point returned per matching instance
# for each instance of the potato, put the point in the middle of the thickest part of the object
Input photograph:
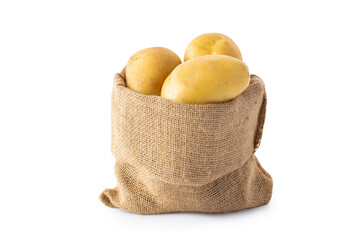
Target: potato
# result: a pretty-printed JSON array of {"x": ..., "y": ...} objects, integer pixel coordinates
[
  {"x": 212, "y": 44},
  {"x": 206, "y": 79},
  {"x": 147, "y": 69}
]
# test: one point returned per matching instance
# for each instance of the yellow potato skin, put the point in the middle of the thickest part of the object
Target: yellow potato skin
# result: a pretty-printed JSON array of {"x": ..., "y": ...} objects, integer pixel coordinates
[
  {"x": 206, "y": 79},
  {"x": 212, "y": 44},
  {"x": 147, "y": 69}
]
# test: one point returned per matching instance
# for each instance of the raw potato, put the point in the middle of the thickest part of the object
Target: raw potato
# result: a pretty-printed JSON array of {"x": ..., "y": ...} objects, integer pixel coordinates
[
  {"x": 147, "y": 69},
  {"x": 212, "y": 44},
  {"x": 206, "y": 79}
]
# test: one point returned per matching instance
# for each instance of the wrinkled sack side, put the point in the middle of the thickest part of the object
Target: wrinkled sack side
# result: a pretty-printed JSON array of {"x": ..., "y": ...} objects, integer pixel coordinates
[{"x": 173, "y": 157}]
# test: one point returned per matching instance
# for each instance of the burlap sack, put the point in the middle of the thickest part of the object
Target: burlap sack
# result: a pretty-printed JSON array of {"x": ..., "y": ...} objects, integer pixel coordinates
[{"x": 174, "y": 157}]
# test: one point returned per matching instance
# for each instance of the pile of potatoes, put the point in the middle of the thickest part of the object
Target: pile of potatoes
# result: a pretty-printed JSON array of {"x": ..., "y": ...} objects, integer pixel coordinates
[{"x": 212, "y": 71}]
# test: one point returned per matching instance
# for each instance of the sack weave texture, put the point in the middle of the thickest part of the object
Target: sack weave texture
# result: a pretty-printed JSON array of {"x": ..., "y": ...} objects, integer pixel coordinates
[{"x": 175, "y": 157}]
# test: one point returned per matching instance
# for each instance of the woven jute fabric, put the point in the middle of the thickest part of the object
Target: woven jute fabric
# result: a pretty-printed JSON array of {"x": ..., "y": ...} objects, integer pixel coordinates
[{"x": 175, "y": 157}]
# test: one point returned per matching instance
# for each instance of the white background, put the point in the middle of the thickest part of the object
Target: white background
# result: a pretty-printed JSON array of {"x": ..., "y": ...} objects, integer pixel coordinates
[{"x": 57, "y": 60}]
